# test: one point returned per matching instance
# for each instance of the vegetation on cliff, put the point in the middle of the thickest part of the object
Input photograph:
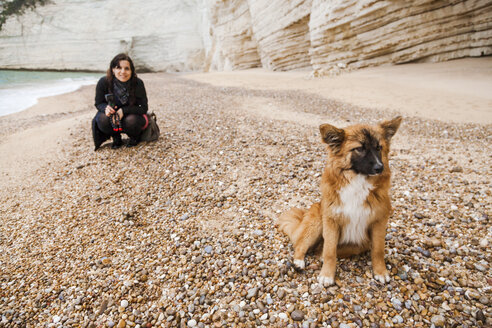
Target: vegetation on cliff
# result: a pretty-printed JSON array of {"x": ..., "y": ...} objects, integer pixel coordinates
[{"x": 17, "y": 7}]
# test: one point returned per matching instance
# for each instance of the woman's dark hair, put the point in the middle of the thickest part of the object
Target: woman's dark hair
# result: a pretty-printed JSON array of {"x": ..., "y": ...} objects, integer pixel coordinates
[{"x": 115, "y": 62}]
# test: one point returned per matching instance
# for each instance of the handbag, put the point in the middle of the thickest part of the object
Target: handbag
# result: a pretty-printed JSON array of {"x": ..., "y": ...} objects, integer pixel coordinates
[{"x": 151, "y": 131}]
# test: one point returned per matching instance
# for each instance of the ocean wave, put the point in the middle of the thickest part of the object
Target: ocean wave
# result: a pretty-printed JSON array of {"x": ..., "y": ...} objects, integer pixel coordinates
[{"x": 19, "y": 96}]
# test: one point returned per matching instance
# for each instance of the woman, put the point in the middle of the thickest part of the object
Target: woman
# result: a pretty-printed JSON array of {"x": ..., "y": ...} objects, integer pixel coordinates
[{"x": 121, "y": 102}]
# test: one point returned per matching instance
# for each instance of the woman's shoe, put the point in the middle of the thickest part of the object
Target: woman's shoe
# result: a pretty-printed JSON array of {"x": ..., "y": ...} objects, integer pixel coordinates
[
  {"x": 132, "y": 142},
  {"x": 117, "y": 142}
]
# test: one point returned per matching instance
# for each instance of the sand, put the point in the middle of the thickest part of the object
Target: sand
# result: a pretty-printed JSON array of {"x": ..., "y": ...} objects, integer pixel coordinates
[
  {"x": 455, "y": 91},
  {"x": 181, "y": 231}
]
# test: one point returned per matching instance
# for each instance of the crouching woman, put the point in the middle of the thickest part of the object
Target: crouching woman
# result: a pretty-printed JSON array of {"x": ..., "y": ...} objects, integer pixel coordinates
[{"x": 121, "y": 102}]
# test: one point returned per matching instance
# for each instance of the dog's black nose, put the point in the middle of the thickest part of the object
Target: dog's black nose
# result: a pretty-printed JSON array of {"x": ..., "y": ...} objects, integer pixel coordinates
[{"x": 378, "y": 168}]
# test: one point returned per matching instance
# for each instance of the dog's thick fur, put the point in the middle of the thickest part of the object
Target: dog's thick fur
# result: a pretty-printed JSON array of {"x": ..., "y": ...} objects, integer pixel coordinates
[{"x": 355, "y": 204}]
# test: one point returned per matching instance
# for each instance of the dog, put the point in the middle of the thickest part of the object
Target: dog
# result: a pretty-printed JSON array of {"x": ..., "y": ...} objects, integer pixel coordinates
[{"x": 353, "y": 213}]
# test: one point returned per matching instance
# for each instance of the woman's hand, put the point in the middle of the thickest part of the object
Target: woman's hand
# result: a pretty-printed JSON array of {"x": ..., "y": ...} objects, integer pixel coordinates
[
  {"x": 120, "y": 113},
  {"x": 109, "y": 111}
]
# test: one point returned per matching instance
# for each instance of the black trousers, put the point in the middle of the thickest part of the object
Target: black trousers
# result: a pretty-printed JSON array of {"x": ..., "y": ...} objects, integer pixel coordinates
[{"x": 132, "y": 125}]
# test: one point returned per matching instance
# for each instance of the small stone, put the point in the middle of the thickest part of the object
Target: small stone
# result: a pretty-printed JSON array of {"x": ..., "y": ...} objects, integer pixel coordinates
[
  {"x": 78, "y": 300},
  {"x": 433, "y": 242},
  {"x": 403, "y": 275},
  {"x": 184, "y": 217},
  {"x": 56, "y": 319},
  {"x": 297, "y": 315},
  {"x": 121, "y": 324},
  {"x": 438, "y": 320},
  {"x": 281, "y": 293},
  {"x": 191, "y": 323},
  {"x": 481, "y": 316},
  {"x": 484, "y": 243},
  {"x": 283, "y": 316},
  {"x": 484, "y": 300},
  {"x": 252, "y": 292},
  {"x": 124, "y": 304},
  {"x": 457, "y": 169},
  {"x": 105, "y": 261},
  {"x": 398, "y": 319},
  {"x": 480, "y": 267},
  {"x": 208, "y": 249},
  {"x": 424, "y": 252},
  {"x": 396, "y": 303},
  {"x": 258, "y": 232},
  {"x": 198, "y": 259},
  {"x": 110, "y": 324}
]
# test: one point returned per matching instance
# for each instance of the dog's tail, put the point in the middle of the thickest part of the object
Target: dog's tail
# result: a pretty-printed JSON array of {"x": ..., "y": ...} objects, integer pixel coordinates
[{"x": 289, "y": 221}]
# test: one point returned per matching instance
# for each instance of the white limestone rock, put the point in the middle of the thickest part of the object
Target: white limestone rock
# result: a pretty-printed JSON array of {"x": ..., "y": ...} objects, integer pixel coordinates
[
  {"x": 370, "y": 33},
  {"x": 232, "y": 46},
  {"x": 183, "y": 35},
  {"x": 85, "y": 35},
  {"x": 282, "y": 32}
]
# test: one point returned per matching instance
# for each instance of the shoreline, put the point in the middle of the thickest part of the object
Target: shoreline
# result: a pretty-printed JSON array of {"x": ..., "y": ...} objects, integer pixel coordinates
[{"x": 22, "y": 89}]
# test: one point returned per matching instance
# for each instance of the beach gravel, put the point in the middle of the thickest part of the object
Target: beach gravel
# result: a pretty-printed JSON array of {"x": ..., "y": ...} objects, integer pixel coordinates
[{"x": 180, "y": 232}]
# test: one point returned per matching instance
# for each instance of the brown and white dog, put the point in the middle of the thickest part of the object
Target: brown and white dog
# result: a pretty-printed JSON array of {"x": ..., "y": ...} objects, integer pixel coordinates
[{"x": 355, "y": 204}]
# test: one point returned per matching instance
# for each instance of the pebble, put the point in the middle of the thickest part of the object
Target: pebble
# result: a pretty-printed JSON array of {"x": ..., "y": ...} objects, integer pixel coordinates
[
  {"x": 192, "y": 323},
  {"x": 484, "y": 300},
  {"x": 396, "y": 303},
  {"x": 283, "y": 316},
  {"x": 124, "y": 304},
  {"x": 398, "y": 319},
  {"x": 438, "y": 320},
  {"x": 252, "y": 292},
  {"x": 481, "y": 316},
  {"x": 297, "y": 315},
  {"x": 457, "y": 169},
  {"x": 208, "y": 249}
]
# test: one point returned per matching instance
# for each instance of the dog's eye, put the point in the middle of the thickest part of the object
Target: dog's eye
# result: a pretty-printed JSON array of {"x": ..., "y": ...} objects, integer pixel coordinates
[
  {"x": 358, "y": 149},
  {"x": 378, "y": 147}
]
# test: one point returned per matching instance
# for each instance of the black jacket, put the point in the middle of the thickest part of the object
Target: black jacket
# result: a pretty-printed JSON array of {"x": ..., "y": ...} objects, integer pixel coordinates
[{"x": 140, "y": 106}]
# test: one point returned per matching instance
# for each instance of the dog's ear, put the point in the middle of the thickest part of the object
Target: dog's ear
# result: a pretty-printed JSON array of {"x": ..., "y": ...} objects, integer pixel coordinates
[
  {"x": 332, "y": 136},
  {"x": 390, "y": 127}
]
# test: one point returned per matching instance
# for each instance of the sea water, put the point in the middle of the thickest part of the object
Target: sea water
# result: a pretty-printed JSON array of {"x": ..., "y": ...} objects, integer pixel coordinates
[{"x": 22, "y": 89}]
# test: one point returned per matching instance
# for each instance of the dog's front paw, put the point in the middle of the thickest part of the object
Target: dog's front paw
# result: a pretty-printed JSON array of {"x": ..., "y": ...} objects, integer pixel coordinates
[
  {"x": 300, "y": 264},
  {"x": 383, "y": 277},
  {"x": 326, "y": 281}
]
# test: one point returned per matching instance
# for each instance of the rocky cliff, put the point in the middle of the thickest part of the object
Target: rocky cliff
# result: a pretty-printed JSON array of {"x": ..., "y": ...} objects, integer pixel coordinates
[
  {"x": 85, "y": 35},
  {"x": 181, "y": 35}
]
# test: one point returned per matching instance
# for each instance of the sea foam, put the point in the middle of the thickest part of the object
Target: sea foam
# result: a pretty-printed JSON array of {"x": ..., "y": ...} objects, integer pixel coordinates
[{"x": 20, "y": 95}]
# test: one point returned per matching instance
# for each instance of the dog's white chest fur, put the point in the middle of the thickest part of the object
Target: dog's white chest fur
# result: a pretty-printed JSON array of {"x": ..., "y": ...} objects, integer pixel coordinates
[{"x": 352, "y": 198}]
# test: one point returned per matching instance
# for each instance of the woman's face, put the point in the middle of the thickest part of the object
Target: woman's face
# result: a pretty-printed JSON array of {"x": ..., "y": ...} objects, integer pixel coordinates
[{"x": 123, "y": 71}]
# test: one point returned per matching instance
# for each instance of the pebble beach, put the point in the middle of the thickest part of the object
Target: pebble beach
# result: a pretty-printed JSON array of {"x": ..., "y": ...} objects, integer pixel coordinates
[{"x": 181, "y": 232}]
